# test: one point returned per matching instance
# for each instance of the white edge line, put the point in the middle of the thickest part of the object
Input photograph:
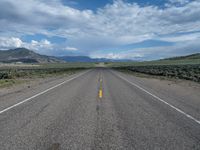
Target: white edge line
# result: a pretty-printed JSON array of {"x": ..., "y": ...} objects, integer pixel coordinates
[
  {"x": 158, "y": 98},
  {"x": 30, "y": 98}
]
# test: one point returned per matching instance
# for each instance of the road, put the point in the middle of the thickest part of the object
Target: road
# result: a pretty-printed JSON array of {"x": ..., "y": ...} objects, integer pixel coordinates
[{"x": 101, "y": 109}]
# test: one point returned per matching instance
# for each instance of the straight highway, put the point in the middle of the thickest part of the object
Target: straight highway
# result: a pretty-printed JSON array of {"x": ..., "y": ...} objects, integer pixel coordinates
[{"x": 101, "y": 109}]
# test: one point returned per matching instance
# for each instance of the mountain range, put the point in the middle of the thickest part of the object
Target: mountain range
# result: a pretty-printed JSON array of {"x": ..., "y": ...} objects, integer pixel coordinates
[
  {"x": 24, "y": 55},
  {"x": 192, "y": 56},
  {"x": 89, "y": 59}
]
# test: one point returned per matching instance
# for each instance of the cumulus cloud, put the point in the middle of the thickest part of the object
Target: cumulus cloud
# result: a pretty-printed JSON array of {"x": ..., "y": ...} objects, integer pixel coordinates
[
  {"x": 12, "y": 42},
  {"x": 39, "y": 45},
  {"x": 116, "y": 24},
  {"x": 43, "y": 46}
]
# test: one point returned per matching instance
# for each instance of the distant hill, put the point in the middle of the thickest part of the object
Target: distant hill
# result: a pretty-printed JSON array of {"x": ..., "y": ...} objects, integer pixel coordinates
[
  {"x": 76, "y": 58},
  {"x": 25, "y": 56},
  {"x": 88, "y": 59},
  {"x": 192, "y": 56}
]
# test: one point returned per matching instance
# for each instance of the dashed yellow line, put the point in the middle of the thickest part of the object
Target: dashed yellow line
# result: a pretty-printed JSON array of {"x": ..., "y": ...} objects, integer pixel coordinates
[
  {"x": 100, "y": 93},
  {"x": 100, "y": 88}
]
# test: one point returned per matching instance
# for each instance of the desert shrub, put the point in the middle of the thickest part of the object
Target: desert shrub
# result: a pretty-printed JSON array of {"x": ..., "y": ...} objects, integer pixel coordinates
[
  {"x": 5, "y": 75},
  {"x": 188, "y": 72}
]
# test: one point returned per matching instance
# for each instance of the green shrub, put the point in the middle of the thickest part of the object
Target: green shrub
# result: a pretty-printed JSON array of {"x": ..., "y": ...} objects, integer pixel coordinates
[{"x": 188, "y": 72}]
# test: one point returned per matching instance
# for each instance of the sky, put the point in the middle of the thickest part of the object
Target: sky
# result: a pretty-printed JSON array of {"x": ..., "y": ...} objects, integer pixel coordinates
[{"x": 117, "y": 29}]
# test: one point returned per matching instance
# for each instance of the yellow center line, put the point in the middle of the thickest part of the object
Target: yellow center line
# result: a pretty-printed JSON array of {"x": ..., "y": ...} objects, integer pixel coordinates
[
  {"x": 100, "y": 93},
  {"x": 100, "y": 88}
]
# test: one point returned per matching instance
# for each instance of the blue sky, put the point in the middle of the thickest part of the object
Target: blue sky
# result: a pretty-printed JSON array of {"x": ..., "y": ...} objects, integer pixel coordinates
[
  {"x": 130, "y": 29},
  {"x": 95, "y": 4}
]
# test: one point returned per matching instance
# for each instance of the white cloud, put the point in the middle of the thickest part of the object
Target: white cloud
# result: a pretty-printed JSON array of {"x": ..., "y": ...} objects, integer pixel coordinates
[
  {"x": 180, "y": 1},
  {"x": 122, "y": 55},
  {"x": 43, "y": 45},
  {"x": 118, "y": 20},
  {"x": 181, "y": 48},
  {"x": 108, "y": 56},
  {"x": 116, "y": 24},
  {"x": 181, "y": 37},
  {"x": 70, "y": 48},
  {"x": 12, "y": 42}
]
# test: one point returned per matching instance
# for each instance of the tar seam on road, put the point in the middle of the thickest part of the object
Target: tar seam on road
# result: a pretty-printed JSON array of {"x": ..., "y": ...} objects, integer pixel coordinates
[
  {"x": 158, "y": 98},
  {"x": 30, "y": 98}
]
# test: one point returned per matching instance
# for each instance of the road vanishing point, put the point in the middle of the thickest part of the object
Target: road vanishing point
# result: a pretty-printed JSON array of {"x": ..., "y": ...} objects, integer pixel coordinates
[{"x": 100, "y": 109}]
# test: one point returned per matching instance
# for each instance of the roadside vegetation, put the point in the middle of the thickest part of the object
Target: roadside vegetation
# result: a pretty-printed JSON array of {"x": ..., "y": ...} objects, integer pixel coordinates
[
  {"x": 15, "y": 74},
  {"x": 187, "y": 68}
]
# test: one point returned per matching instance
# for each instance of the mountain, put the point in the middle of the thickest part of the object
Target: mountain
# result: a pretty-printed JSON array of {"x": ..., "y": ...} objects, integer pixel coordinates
[
  {"x": 88, "y": 59},
  {"x": 25, "y": 56},
  {"x": 76, "y": 59},
  {"x": 192, "y": 56}
]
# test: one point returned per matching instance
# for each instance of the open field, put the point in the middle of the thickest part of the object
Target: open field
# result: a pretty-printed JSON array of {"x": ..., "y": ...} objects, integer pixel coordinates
[
  {"x": 188, "y": 69},
  {"x": 156, "y": 62},
  {"x": 11, "y": 74},
  {"x": 47, "y": 65},
  {"x": 9, "y": 82},
  {"x": 188, "y": 72}
]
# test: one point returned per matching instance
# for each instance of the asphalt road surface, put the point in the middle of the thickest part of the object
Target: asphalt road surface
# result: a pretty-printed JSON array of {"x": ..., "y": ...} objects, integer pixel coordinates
[{"x": 100, "y": 109}]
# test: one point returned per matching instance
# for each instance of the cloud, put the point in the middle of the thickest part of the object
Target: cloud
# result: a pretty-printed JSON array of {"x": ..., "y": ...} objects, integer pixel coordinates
[
  {"x": 120, "y": 19},
  {"x": 181, "y": 37},
  {"x": 43, "y": 46},
  {"x": 70, "y": 48},
  {"x": 179, "y": 1},
  {"x": 6, "y": 43},
  {"x": 152, "y": 53},
  {"x": 13, "y": 42},
  {"x": 123, "y": 55},
  {"x": 116, "y": 24},
  {"x": 39, "y": 45}
]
